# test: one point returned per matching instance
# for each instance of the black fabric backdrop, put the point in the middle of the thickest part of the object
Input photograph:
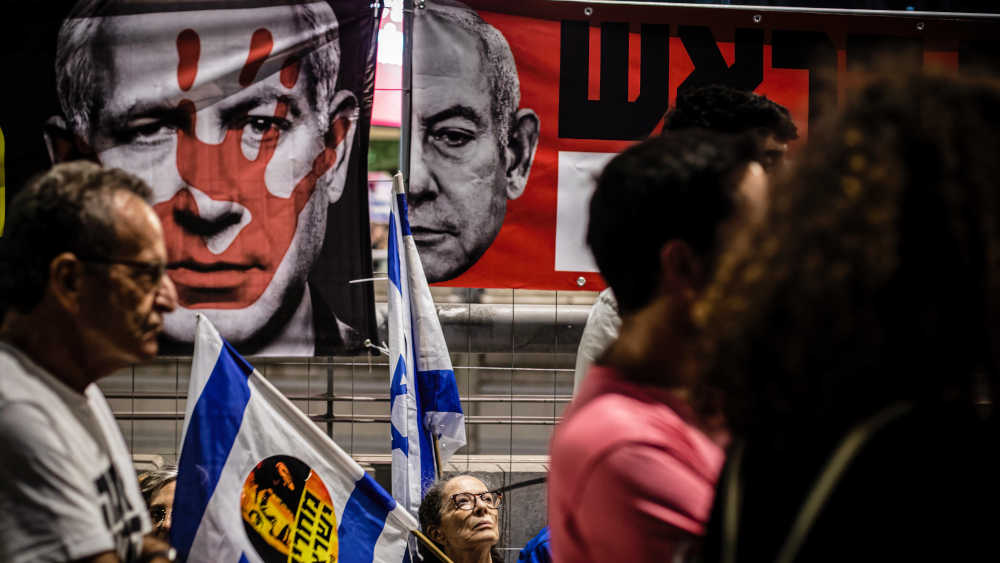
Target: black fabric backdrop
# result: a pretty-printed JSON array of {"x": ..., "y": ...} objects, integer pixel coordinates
[{"x": 29, "y": 99}]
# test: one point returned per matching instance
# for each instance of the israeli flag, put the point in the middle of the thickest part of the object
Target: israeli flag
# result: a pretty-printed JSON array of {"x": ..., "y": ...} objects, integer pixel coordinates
[
  {"x": 424, "y": 398},
  {"x": 259, "y": 482}
]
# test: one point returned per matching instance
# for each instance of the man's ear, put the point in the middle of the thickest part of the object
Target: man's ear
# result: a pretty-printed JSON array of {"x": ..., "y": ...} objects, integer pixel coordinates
[
  {"x": 338, "y": 141},
  {"x": 63, "y": 144},
  {"x": 680, "y": 268},
  {"x": 521, "y": 150},
  {"x": 65, "y": 280}
]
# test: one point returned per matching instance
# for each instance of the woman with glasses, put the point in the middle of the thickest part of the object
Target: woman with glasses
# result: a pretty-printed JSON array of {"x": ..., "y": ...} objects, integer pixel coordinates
[{"x": 460, "y": 515}]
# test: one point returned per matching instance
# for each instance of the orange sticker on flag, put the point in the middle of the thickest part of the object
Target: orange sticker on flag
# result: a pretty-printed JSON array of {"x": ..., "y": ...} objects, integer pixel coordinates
[{"x": 287, "y": 512}]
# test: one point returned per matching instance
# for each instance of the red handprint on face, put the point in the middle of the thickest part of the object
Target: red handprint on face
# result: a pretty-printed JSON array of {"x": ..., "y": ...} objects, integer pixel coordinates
[{"x": 235, "y": 276}]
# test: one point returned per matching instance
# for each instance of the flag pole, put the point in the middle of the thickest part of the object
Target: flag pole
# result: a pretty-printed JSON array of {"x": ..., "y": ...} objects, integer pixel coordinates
[
  {"x": 432, "y": 546},
  {"x": 407, "y": 89},
  {"x": 437, "y": 457}
]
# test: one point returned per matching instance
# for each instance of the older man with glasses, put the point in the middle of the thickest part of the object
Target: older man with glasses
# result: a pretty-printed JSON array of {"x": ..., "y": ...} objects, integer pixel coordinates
[{"x": 83, "y": 290}]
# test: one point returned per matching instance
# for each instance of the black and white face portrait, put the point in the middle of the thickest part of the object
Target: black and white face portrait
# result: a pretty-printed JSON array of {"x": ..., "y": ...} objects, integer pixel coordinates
[
  {"x": 231, "y": 114},
  {"x": 471, "y": 147}
]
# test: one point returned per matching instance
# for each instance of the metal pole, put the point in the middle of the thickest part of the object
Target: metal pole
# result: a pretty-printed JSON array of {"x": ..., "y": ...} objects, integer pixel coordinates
[
  {"x": 329, "y": 401},
  {"x": 407, "y": 91}
]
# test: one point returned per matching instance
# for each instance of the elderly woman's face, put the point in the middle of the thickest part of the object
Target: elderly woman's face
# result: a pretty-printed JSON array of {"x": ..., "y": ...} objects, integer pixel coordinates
[{"x": 463, "y": 529}]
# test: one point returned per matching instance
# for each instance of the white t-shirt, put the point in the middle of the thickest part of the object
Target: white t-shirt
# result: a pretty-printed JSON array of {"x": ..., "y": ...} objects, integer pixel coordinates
[
  {"x": 602, "y": 328},
  {"x": 67, "y": 486}
]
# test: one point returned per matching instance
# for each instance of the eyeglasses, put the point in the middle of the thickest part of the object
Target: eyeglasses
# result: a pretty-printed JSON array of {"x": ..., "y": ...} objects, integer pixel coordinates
[
  {"x": 153, "y": 271},
  {"x": 467, "y": 501}
]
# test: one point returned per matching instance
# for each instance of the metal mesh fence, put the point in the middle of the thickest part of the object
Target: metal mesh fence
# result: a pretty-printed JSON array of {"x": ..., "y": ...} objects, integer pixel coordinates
[{"x": 513, "y": 352}]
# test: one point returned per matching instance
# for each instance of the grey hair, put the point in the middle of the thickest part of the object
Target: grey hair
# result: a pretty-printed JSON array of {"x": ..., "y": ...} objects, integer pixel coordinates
[
  {"x": 497, "y": 58},
  {"x": 150, "y": 482},
  {"x": 77, "y": 83},
  {"x": 81, "y": 82},
  {"x": 69, "y": 208}
]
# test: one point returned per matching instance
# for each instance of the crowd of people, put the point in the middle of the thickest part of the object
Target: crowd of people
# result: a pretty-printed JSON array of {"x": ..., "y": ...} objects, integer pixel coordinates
[{"x": 800, "y": 362}]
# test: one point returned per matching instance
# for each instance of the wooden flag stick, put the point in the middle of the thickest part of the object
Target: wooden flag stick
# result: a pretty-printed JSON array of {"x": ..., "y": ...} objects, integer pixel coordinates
[
  {"x": 432, "y": 546},
  {"x": 437, "y": 458}
]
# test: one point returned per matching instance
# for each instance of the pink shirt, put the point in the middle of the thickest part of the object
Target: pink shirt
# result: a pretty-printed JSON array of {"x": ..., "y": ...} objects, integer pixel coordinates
[{"x": 631, "y": 479}]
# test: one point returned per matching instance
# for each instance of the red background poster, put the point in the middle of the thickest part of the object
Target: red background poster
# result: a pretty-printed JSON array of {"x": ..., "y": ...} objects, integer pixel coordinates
[{"x": 806, "y": 62}]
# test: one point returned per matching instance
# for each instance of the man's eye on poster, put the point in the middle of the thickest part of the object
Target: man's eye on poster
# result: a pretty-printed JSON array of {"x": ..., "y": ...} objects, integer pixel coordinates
[{"x": 246, "y": 120}]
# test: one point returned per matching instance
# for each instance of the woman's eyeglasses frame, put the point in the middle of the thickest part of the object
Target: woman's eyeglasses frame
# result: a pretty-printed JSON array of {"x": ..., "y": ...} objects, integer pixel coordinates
[{"x": 467, "y": 501}]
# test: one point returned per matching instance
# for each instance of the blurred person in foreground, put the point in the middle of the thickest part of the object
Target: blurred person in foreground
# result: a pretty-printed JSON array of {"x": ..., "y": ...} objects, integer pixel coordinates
[
  {"x": 633, "y": 469},
  {"x": 82, "y": 281},
  {"x": 856, "y": 339},
  {"x": 461, "y": 516},
  {"x": 157, "y": 488},
  {"x": 716, "y": 108},
  {"x": 728, "y": 110}
]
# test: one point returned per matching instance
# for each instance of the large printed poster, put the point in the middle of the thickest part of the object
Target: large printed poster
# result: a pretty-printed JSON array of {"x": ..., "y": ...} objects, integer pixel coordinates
[
  {"x": 517, "y": 105},
  {"x": 249, "y": 120}
]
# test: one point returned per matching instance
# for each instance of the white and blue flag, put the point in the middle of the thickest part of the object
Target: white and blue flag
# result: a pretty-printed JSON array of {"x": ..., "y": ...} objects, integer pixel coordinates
[
  {"x": 259, "y": 482},
  {"x": 424, "y": 398}
]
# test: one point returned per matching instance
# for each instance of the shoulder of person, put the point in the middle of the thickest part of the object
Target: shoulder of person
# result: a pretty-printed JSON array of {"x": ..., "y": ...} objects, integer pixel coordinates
[
  {"x": 26, "y": 427},
  {"x": 615, "y": 418},
  {"x": 21, "y": 380},
  {"x": 605, "y": 307},
  {"x": 607, "y": 299}
]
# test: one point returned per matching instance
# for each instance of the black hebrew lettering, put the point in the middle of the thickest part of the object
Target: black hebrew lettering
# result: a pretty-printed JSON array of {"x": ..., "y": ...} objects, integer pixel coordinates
[
  {"x": 876, "y": 52},
  {"x": 320, "y": 545},
  {"x": 614, "y": 62},
  {"x": 977, "y": 58},
  {"x": 710, "y": 67},
  {"x": 305, "y": 520},
  {"x": 612, "y": 116},
  {"x": 312, "y": 525},
  {"x": 863, "y": 51},
  {"x": 324, "y": 528},
  {"x": 309, "y": 504},
  {"x": 812, "y": 51},
  {"x": 301, "y": 537}
]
